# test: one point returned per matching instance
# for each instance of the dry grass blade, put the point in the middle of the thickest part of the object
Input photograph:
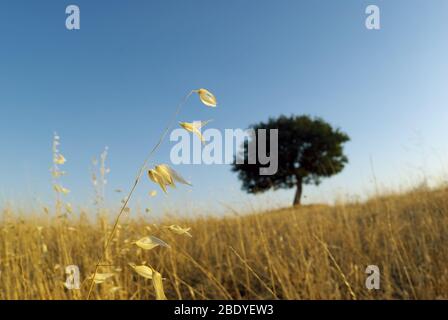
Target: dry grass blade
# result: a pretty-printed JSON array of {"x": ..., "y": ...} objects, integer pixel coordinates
[
  {"x": 158, "y": 285},
  {"x": 254, "y": 273},
  {"x": 341, "y": 273},
  {"x": 101, "y": 277}
]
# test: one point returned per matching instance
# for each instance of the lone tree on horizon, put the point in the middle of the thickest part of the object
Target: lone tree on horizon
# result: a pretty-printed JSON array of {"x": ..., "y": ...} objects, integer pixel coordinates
[{"x": 309, "y": 149}]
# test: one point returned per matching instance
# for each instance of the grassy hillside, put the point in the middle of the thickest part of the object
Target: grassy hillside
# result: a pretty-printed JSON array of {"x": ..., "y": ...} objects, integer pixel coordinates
[{"x": 314, "y": 252}]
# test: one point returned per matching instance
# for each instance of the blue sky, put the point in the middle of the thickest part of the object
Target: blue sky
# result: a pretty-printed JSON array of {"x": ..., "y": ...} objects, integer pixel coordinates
[{"x": 116, "y": 82}]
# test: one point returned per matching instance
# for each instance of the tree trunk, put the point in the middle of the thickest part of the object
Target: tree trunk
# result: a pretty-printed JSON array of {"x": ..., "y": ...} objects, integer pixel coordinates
[{"x": 298, "y": 192}]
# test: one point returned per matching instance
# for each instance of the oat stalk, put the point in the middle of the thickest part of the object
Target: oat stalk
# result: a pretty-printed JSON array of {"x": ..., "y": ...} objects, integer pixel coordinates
[{"x": 134, "y": 186}]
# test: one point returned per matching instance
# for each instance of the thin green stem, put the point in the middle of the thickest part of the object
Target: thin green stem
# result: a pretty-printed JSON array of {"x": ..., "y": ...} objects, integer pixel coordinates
[{"x": 134, "y": 186}]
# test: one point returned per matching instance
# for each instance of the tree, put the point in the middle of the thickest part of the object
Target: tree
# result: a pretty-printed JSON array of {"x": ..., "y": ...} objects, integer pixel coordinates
[{"x": 309, "y": 149}]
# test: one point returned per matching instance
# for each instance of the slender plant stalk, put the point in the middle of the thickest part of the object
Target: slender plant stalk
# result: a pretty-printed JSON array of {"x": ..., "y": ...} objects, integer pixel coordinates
[
  {"x": 338, "y": 268},
  {"x": 134, "y": 186}
]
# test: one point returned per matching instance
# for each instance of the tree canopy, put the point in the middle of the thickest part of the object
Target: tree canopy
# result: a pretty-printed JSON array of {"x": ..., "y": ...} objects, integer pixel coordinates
[{"x": 309, "y": 149}]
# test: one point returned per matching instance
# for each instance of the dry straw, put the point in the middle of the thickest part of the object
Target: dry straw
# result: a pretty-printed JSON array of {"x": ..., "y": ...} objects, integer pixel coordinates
[
  {"x": 57, "y": 174},
  {"x": 164, "y": 176}
]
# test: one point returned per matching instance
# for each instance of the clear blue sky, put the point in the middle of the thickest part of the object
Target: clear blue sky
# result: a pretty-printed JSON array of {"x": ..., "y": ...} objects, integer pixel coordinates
[{"x": 116, "y": 82}]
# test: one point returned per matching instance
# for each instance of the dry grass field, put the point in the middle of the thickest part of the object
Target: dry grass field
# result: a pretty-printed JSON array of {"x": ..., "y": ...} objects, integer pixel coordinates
[{"x": 312, "y": 252}]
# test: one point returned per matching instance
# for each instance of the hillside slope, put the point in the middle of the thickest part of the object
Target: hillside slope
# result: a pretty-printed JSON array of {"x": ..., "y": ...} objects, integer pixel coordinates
[{"x": 314, "y": 252}]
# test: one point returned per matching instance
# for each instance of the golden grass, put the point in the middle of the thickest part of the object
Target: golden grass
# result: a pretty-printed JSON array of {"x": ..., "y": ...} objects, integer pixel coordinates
[{"x": 314, "y": 252}]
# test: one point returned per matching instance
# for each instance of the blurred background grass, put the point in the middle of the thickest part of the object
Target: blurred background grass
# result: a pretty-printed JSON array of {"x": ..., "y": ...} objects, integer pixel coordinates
[{"x": 309, "y": 252}]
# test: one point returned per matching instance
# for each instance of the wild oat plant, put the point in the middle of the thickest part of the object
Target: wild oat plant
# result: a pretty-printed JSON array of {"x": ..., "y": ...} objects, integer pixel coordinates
[{"x": 165, "y": 177}]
